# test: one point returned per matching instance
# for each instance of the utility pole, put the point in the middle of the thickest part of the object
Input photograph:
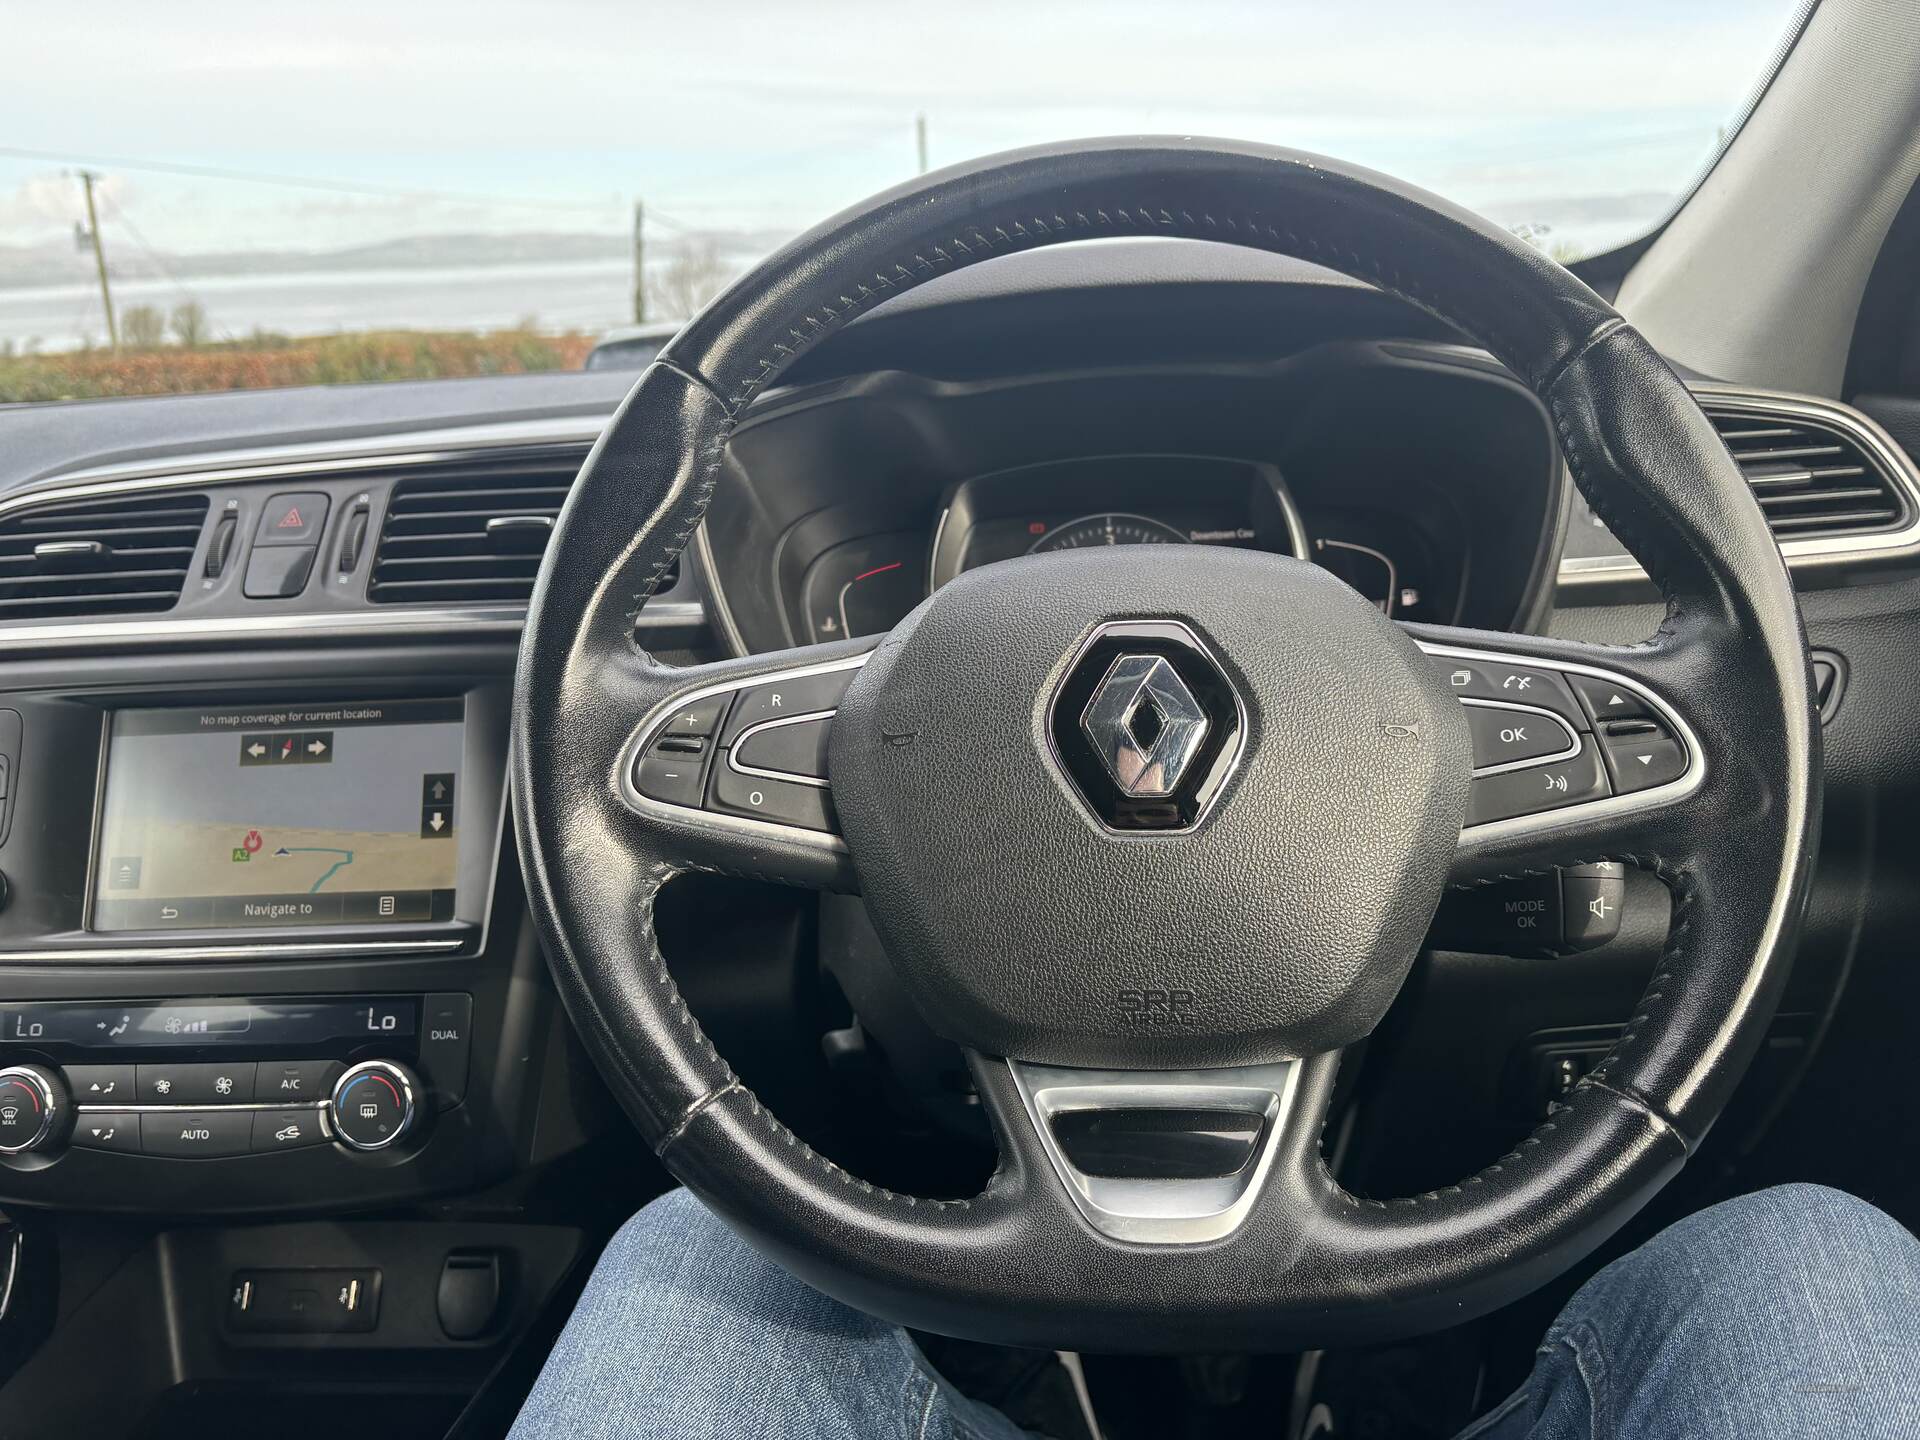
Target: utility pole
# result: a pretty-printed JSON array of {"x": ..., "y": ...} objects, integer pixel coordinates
[
  {"x": 639, "y": 264},
  {"x": 920, "y": 139},
  {"x": 87, "y": 177}
]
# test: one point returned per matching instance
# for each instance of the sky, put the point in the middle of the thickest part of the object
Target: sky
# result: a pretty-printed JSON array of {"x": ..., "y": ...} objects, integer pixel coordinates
[{"x": 428, "y": 117}]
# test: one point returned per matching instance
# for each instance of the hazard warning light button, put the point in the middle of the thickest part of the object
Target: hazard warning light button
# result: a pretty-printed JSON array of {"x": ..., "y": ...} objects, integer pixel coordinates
[{"x": 292, "y": 520}]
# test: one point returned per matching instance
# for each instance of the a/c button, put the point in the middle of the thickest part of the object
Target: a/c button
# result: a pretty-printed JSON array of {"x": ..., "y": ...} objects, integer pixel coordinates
[{"x": 291, "y": 1082}]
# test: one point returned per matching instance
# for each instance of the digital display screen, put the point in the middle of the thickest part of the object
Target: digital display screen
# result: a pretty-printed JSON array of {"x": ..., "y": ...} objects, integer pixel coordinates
[
  {"x": 280, "y": 817},
  {"x": 283, "y": 1024}
]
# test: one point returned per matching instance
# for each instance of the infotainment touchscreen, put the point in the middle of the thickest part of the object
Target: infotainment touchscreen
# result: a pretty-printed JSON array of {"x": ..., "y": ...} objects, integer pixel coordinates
[{"x": 281, "y": 816}]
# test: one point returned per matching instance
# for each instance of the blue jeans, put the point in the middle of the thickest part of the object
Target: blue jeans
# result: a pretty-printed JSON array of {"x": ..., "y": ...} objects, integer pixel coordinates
[{"x": 1791, "y": 1312}]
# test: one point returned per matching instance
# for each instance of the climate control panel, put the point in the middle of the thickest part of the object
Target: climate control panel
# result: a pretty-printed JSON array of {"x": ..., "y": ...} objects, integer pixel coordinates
[{"x": 217, "y": 1079}]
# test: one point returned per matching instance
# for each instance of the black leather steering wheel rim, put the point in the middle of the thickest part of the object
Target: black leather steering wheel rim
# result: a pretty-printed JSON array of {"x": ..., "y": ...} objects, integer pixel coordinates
[{"x": 1311, "y": 1264}]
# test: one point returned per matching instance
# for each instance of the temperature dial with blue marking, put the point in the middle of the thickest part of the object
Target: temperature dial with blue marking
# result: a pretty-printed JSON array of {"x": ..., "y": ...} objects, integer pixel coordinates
[{"x": 373, "y": 1104}]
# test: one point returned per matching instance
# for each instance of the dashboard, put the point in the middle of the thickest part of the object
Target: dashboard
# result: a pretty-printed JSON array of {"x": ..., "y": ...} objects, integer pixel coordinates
[{"x": 262, "y": 823}]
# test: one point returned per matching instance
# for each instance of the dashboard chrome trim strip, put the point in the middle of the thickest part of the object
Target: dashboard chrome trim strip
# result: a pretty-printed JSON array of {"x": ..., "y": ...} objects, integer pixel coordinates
[
  {"x": 686, "y": 816},
  {"x": 1812, "y": 551},
  {"x": 198, "y": 1110},
  {"x": 504, "y": 620},
  {"x": 1679, "y": 788},
  {"x": 233, "y": 952}
]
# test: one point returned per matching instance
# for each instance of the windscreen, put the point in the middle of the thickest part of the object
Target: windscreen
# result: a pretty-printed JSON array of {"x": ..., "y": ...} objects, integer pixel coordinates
[{"x": 261, "y": 195}]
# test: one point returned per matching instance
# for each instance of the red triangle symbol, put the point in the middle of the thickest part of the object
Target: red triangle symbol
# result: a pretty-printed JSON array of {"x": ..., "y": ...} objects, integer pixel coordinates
[{"x": 291, "y": 520}]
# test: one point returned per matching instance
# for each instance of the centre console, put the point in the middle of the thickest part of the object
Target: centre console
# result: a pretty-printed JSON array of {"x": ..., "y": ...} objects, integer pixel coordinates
[{"x": 248, "y": 948}]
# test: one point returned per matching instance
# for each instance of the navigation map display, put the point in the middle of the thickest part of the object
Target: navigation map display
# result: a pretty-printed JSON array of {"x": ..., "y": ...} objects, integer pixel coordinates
[{"x": 335, "y": 814}]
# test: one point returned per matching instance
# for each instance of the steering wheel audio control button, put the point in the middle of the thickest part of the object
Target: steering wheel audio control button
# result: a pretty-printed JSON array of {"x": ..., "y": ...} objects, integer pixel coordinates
[
  {"x": 1644, "y": 758},
  {"x": 1507, "y": 736},
  {"x": 675, "y": 779},
  {"x": 783, "y": 802},
  {"x": 1607, "y": 699},
  {"x": 1515, "y": 684},
  {"x": 1537, "y": 788},
  {"x": 778, "y": 699},
  {"x": 701, "y": 717}
]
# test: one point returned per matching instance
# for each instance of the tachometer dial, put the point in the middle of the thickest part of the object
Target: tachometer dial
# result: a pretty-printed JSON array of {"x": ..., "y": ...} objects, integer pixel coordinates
[{"x": 1091, "y": 530}]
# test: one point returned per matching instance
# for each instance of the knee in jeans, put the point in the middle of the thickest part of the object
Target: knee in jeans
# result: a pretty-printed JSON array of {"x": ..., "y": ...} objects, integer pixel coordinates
[
  {"x": 1783, "y": 1220},
  {"x": 1748, "y": 1249},
  {"x": 656, "y": 1236}
]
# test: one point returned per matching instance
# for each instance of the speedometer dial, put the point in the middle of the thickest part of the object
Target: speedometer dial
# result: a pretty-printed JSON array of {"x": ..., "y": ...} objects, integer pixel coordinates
[{"x": 1091, "y": 530}]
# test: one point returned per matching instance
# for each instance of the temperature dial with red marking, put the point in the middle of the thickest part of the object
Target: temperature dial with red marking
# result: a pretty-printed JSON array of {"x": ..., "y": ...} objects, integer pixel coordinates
[
  {"x": 35, "y": 1109},
  {"x": 373, "y": 1104}
]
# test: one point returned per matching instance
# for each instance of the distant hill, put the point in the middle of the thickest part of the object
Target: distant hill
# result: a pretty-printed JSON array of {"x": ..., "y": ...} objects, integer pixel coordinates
[{"x": 24, "y": 267}]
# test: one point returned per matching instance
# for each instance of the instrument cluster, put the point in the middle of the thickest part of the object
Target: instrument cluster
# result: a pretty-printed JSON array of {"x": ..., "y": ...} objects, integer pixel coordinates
[{"x": 866, "y": 585}]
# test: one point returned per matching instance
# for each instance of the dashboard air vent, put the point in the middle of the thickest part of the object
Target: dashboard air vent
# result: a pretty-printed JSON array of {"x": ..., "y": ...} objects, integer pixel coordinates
[
  {"x": 1811, "y": 478},
  {"x": 123, "y": 555},
  {"x": 470, "y": 532}
]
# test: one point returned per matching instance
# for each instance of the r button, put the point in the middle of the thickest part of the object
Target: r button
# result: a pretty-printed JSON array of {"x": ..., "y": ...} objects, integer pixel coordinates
[{"x": 778, "y": 698}]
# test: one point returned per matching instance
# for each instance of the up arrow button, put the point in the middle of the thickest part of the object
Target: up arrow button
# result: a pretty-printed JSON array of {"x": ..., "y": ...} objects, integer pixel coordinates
[{"x": 1608, "y": 699}]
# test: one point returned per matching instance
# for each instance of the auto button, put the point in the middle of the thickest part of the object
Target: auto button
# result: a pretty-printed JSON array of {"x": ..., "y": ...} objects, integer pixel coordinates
[{"x": 196, "y": 1134}]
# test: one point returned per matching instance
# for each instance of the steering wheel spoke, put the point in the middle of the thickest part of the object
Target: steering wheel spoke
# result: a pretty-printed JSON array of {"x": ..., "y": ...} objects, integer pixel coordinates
[
  {"x": 1163, "y": 1157},
  {"x": 728, "y": 764},
  {"x": 1580, "y": 752}
]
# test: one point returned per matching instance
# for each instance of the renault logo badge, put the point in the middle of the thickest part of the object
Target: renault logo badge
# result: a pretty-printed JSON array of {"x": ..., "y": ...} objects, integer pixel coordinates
[{"x": 1145, "y": 725}]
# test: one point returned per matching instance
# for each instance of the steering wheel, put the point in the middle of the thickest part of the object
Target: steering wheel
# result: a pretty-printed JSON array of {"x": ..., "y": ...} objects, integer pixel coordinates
[{"x": 1154, "y": 833}]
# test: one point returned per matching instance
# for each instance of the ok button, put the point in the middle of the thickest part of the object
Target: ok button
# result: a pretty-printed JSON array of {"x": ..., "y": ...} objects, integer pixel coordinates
[{"x": 1504, "y": 737}]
